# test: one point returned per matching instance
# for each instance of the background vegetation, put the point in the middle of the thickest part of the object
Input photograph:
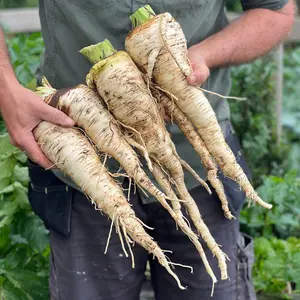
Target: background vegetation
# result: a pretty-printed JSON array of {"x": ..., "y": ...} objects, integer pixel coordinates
[
  {"x": 18, "y": 3},
  {"x": 24, "y": 249}
]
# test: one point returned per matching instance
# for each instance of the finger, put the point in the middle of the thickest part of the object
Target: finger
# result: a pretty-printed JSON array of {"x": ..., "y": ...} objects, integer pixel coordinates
[
  {"x": 167, "y": 119},
  {"x": 56, "y": 116},
  {"x": 35, "y": 153},
  {"x": 199, "y": 75},
  {"x": 193, "y": 65}
]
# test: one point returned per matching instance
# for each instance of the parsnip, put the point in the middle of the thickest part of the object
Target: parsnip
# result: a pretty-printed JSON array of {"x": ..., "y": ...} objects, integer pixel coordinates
[
  {"x": 71, "y": 152},
  {"x": 88, "y": 111},
  {"x": 122, "y": 87},
  {"x": 158, "y": 47}
]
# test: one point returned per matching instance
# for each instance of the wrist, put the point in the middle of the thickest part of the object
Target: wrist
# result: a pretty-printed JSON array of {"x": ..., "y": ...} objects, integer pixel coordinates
[
  {"x": 8, "y": 83},
  {"x": 202, "y": 51}
]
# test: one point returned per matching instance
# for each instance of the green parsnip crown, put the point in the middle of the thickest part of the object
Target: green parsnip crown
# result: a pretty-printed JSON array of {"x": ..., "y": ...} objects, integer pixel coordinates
[
  {"x": 98, "y": 52},
  {"x": 142, "y": 15}
]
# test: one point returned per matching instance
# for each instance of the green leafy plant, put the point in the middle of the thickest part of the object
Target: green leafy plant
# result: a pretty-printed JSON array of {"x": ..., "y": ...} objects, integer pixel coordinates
[
  {"x": 291, "y": 110},
  {"x": 25, "y": 54},
  {"x": 277, "y": 266},
  {"x": 255, "y": 121},
  {"x": 24, "y": 249},
  {"x": 233, "y": 5},
  {"x": 18, "y": 3},
  {"x": 284, "y": 218}
]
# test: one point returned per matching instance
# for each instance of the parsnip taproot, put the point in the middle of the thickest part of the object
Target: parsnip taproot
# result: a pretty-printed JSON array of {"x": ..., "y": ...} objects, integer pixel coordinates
[
  {"x": 71, "y": 152},
  {"x": 88, "y": 111},
  {"x": 122, "y": 87},
  {"x": 180, "y": 119},
  {"x": 164, "y": 182},
  {"x": 158, "y": 46}
]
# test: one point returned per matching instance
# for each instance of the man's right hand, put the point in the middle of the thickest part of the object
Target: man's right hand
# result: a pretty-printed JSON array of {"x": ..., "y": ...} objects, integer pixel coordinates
[{"x": 22, "y": 110}]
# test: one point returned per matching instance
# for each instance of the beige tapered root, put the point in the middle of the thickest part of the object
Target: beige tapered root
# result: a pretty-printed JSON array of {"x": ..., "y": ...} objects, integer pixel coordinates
[
  {"x": 195, "y": 140},
  {"x": 142, "y": 149},
  {"x": 74, "y": 155},
  {"x": 191, "y": 170},
  {"x": 163, "y": 35},
  {"x": 197, "y": 220},
  {"x": 164, "y": 183}
]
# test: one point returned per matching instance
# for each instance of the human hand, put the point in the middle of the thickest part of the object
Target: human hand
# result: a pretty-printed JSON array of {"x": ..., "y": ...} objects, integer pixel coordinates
[
  {"x": 22, "y": 110},
  {"x": 200, "y": 69}
]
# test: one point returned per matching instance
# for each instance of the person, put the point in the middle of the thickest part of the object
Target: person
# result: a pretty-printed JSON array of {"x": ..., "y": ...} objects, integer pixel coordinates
[{"x": 78, "y": 233}]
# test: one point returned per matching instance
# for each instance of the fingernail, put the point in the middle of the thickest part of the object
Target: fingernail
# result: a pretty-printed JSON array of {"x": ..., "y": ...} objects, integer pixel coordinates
[{"x": 193, "y": 79}]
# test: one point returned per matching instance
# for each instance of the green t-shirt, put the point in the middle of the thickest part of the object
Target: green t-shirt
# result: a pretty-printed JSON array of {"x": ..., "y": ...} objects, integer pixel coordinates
[{"x": 70, "y": 25}]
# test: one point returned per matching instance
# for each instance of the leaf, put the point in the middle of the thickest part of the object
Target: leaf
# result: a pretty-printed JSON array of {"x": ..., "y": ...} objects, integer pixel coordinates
[
  {"x": 7, "y": 208},
  {"x": 21, "y": 174},
  {"x": 5, "y": 182},
  {"x": 2, "y": 127},
  {"x": 6, "y": 148},
  {"x": 33, "y": 229},
  {"x": 276, "y": 266},
  {"x": 23, "y": 73},
  {"x": 263, "y": 247},
  {"x": 7, "y": 167},
  {"x": 32, "y": 84},
  {"x": 18, "y": 257},
  {"x": 21, "y": 196},
  {"x": 2, "y": 280},
  {"x": 288, "y": 219},
  {"x": 20, "y": 156},
  {"x": 10, "y": 188},
  {"x": 6, "y": 220},
  {"x": 35, "y": 286},
  {"x": 4, "y": 238},
  {"x": 273, "y": 272},
  {"x": 294, "y": 269},
  {"x": 257, "y": 218},
  {"x": 18, "y": 239},
  {"x": 9, "y": 292}
]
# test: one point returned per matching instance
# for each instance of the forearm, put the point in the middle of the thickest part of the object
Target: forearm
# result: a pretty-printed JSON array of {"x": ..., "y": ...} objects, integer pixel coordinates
[
  {"x": 7, "y": 77},
  {"x": 254, "y": 34}
]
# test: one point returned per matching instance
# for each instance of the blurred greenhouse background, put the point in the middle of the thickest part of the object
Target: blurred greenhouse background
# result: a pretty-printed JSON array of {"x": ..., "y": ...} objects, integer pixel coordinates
[{"x": 274, "y": 160}]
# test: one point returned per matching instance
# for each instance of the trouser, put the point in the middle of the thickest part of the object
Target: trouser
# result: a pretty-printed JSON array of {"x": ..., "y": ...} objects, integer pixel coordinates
[{"x": 78, "y": 234}]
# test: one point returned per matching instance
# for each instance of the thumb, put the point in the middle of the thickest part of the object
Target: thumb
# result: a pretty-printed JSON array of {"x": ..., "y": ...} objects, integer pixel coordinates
[
  {"x": 199, "y": 75},
  {"x": 57, "y": 117}
]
